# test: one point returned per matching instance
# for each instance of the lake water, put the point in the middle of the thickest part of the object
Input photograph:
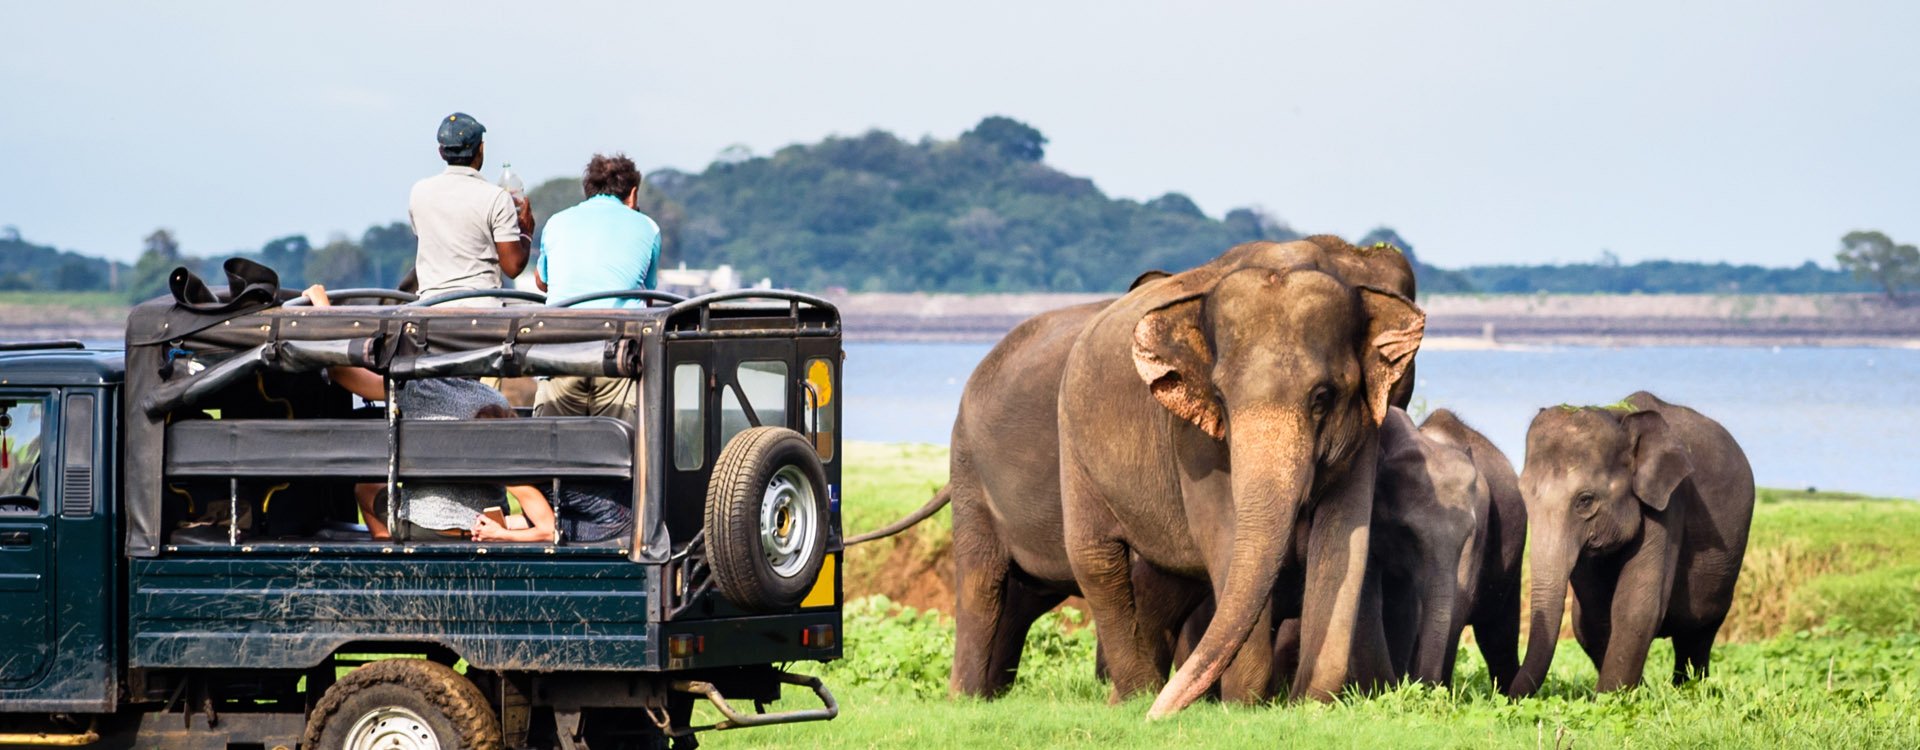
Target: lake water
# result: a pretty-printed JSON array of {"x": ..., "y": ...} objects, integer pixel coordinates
[{"x": 1835, "y": 419}]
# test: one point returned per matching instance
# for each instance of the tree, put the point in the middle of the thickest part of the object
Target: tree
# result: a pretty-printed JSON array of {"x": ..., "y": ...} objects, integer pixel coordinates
[
  {"x": 157, "y": 261},
  {"x": 286, "y": 255},
  {"x": 1012, "y": 138},
  {"x": 339, "y": 264},
  {"x": 390, "y": 252},
  {"x": 1873, "y": 256}
]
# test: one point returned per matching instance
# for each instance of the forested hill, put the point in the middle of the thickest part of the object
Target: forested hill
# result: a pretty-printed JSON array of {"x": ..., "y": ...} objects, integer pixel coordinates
[{"x": 982, "y": 212}]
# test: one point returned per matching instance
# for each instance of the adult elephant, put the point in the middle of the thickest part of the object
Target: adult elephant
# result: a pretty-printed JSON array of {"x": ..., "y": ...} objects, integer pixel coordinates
[
  {"x": 1495, "y": 615},
  {"x": 1010, "y": 562},
  {"x": 1269, "y": 363},
  {"x": 1644, "y": 507}
]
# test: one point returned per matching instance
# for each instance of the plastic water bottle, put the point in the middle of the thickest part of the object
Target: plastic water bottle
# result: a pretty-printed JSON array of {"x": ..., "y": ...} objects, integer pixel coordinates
[{"x": 512, "y": 182}]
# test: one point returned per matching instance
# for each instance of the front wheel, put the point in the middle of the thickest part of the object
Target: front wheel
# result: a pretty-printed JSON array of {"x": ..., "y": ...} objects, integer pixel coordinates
[
  {"x": 766, "y": 520},
  {"x": 403, "y": 704}
]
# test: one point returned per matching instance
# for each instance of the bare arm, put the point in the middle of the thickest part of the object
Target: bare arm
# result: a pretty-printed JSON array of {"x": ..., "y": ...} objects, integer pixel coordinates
[
  {"x": 513, "y": 256},
  {"x": 539, "y": 520},
  {"x": 359, "y": 381}
]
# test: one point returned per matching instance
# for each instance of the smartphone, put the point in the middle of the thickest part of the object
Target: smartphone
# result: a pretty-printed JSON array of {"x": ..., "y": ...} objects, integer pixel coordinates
[{"x": 495, "y": 513}]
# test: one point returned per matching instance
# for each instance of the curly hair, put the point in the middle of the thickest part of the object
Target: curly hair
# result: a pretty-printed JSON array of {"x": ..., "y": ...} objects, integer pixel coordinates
[{"x": 610, "y": 175}]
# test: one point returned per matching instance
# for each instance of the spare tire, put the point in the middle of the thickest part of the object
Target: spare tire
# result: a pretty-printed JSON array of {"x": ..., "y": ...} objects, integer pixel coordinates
[{"x": 766, "y": 523}]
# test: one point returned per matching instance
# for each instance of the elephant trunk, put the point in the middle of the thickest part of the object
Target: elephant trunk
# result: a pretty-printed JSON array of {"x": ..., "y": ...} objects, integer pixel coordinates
[
  {"x": 1552, "y": 560},
  {"x": 1433, "y": 644},
  {"x": 1270, "y": 487}
]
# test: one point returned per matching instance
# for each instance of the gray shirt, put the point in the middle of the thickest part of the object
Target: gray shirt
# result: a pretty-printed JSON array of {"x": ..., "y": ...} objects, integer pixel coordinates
[
  {"x": 458, "y": 216},
  {"x": 448, "y": 505}
]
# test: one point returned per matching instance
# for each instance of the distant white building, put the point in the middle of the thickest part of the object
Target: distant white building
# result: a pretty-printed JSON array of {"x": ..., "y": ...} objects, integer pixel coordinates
[{"x": 692, "y": 282}]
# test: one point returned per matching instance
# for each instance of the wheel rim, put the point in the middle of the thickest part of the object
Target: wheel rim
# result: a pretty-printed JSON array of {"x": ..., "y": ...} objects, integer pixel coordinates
[
  {"x": 787, "y": 521},
  {"x": 391, "y": 728}
]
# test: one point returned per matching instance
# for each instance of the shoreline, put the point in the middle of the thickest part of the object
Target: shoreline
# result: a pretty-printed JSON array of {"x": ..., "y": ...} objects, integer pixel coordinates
[{"x": 1454, "y": 322}]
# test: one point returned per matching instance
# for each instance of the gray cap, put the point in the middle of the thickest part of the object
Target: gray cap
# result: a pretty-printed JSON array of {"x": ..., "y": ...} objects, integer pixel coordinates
[{"x": 460, "y": 133}]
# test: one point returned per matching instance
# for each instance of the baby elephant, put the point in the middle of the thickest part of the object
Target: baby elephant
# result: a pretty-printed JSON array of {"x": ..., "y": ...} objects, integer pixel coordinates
[
  {"x": 1644, "y": 507},
  {"x": 1430, "y": 514}
]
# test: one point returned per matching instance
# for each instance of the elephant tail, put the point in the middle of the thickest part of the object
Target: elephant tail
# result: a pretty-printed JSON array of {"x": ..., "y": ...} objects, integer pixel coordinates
[{"x": 933, "y": 506}]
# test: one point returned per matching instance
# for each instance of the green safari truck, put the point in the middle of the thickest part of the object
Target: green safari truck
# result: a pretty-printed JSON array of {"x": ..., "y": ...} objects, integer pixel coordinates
[{"x": 185, "y": 563}]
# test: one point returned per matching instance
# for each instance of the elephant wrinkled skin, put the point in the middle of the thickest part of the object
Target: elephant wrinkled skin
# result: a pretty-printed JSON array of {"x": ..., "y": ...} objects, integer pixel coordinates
[
  {"x": 1010, "y": 559},
  {"x": 1495, "y": 614},
  {"x": 1643, "y": 507},
  {"x": 1264, "y": 360}
]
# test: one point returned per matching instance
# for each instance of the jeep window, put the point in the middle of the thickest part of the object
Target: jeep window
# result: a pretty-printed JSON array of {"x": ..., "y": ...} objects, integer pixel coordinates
[
  {"x": 764, "y": 384},
  {"x": 689, "y": 419},
  {"x": 22, "y": 478},
  {"x": 821, "y": 385}
]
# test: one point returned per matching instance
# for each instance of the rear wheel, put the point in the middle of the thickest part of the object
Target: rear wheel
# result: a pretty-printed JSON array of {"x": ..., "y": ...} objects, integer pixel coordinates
[
  {"x": 403, "y": 704},
  {"x": 766, "y": 523}
]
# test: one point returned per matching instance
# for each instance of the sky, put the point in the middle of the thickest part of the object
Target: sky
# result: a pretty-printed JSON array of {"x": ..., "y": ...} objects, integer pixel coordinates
[{"x": 1484, "y": 132}]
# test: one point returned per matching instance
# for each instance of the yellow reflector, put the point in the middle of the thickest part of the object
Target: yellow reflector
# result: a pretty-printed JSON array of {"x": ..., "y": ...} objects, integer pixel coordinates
[
  {"x": 822, "y": 593},
  {"x": 820, "y": 374}
]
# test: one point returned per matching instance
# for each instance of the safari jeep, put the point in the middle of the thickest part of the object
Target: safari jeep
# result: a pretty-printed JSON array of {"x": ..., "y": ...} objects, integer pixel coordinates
[{"x": 183, "y": 562}]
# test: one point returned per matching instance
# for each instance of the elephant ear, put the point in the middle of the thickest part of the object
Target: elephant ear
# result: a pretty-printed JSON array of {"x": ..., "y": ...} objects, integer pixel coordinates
[
  {"x": 1171, "y": 353},
  {"x": 1660, "y": 461},
  {"x": 1395, "y": 326}
]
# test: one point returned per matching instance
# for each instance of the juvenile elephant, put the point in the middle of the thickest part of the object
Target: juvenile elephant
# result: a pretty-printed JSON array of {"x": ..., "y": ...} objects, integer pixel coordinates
[
  {"x": 1430, "y": 512},
  {"x": 1495, "y": 615},
  {"x": 1271, "y": 366},
  {"x": 1644, "y": 508},
  {"x": 1439, "y": 554}
]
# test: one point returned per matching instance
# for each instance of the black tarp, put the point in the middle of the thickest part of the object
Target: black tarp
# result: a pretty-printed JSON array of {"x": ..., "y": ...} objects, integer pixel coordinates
[{"x": 180, "y": 354}]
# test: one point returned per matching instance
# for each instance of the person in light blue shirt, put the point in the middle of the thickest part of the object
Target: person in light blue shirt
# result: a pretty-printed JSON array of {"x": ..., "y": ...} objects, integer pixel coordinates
[{"x": 604, "y": 243}]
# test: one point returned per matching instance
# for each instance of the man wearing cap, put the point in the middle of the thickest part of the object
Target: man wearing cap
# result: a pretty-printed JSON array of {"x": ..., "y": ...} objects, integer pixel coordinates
[{"x": 473, "y": 234}]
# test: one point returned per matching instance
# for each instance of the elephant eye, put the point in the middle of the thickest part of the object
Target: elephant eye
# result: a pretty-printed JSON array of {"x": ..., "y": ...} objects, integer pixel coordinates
[
  {"x": 1320, "y": 401},
  {"x": 1583, "y": 501}
]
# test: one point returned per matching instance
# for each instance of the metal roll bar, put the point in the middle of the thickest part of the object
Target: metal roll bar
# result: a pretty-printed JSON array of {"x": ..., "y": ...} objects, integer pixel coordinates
[
  {"x": 782, "y": 295},
  {"x": 520, "y": 294},
  {"x": 650, "y": 295},
  {"x": 364, "y": 293}
]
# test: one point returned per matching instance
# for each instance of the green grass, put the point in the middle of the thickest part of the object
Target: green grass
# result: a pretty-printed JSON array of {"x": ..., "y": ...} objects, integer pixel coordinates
[
  {"x": 64, "y": 299},
  {"x": 1834, "y": 689},
  {"x": 1822, "y": 652}
]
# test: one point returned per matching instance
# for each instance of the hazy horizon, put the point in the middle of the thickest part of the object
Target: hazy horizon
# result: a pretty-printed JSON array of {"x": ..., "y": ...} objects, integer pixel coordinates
[{"x": 1484, "y": 133}]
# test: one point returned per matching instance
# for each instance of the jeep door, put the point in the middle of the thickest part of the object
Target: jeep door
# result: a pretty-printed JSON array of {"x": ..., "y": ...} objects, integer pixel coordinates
[{"x": 26, "y": 536}]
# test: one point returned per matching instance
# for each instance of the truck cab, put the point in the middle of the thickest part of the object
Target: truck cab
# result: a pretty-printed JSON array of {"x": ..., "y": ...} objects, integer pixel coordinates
[{"x": 185, "y": 559}]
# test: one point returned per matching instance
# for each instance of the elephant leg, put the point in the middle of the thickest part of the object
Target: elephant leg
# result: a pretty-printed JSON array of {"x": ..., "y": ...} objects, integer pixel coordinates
[
  {"x": 1399, "y": 618},
  {"x": 1022, "y": 601},
  {"x": 1166, "y": 602},
  {"x": 1250, "y": 674},
  {"x": 1639, "y": 601},
  {"x": 1286, "y": 655},
  {"x": 1496, "y": 628},
  {"x": 1103, "y": 566},
  {"x": 1690, "y": 653},
  {"x": 1332, "y": 631},
  {"x": 981, "y": 566},
  {"x": 1592, "y": 616}
]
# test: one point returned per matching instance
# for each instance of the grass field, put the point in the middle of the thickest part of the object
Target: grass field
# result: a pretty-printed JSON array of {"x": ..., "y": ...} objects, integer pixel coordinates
[{"x": 1821, "y": 651}]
